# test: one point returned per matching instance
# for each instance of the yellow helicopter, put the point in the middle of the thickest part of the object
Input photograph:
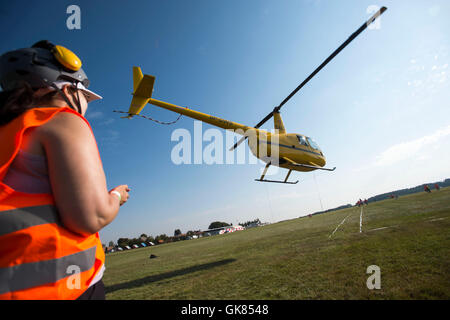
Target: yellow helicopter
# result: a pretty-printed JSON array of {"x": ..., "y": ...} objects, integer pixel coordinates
[{"x": 291, "y": 151}]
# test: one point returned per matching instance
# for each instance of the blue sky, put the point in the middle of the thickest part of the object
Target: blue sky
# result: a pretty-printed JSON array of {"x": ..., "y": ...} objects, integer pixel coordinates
[{"x": 380, "y": 110}]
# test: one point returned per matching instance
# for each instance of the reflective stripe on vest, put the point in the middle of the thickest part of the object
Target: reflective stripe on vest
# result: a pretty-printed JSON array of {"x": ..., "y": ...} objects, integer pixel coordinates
[
  {"x": 28, "y": 275},
  {"x": 37, "y": 253},
  {"x": 22, "y": 218}
]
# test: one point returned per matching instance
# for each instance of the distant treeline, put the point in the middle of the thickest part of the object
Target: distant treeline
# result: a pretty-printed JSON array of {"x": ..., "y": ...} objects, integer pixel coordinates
[
  {"x": 401, "y": 192},
  {"x": 255, "y": 222},
  {"x": 334, "y": 209}
]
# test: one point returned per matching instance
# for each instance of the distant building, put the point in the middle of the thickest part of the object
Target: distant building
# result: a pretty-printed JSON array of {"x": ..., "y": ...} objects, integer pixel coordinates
[
  {"x": 221, "y": 230},
  {"x": 109, "y": 249},
  {"x": 231, "y": 229}
]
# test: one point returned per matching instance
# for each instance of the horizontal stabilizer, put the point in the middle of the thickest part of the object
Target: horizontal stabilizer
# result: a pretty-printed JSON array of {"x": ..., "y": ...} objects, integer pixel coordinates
[
  {"x": 137, "y": 104},
  {"x": 142, "y": 92},
  {"x": 129, "y": 116},
  {"x": 145, "y": 87}
]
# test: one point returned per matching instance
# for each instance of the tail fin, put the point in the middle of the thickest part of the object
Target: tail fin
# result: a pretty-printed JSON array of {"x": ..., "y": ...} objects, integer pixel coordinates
[
  {"x": 142, "y": 92},
  {"x": 137, "y": 77},
  {"x": 145, "y": 87}
]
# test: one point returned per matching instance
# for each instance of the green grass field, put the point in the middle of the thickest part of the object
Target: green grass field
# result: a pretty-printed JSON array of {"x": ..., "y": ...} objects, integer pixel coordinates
[{"x": 297, "y": 259}]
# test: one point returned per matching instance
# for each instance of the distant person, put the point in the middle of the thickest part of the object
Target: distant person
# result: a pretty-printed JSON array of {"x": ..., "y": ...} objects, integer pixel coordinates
[
  {"x": 366, "y": 202},
  {"x": 426, "y": 188},
  {"x": 52, "y": 184},
  {"x": 436, "y": 186}
]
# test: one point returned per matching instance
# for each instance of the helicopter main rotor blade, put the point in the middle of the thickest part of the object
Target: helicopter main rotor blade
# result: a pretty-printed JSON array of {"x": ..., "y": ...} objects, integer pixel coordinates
[
  {"x": 323, "y": 64},
  {"x": 335, "y": 53}
]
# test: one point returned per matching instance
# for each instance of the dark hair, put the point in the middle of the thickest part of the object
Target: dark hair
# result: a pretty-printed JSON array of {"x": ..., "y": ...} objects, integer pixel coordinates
[{"x": 15, "y": 102}]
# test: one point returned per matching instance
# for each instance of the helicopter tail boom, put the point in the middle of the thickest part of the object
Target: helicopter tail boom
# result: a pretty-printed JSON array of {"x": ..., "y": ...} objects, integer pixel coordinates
[{"x": 215, "y": 121}]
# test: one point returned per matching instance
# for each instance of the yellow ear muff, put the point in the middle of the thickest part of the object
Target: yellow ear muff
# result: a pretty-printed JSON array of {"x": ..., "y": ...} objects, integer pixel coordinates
[{"x": 67, "y": 58}]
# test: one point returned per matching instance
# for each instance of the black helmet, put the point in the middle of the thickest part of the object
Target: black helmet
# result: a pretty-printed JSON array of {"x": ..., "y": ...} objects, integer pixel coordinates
[
  {"x": 40, "y": 66},
  {"x": 45, "y": 65}
]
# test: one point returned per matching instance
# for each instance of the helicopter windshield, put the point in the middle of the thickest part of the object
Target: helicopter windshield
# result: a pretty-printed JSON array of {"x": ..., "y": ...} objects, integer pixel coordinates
[
  {"x": 312, "y": 143},
  {"x": 302, "y": 140}
]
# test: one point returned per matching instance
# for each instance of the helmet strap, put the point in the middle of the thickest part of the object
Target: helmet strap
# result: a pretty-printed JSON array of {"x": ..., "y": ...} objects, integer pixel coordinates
[
  {"x": 78, "y": 102},
  {"x": 78, "y": 108}
]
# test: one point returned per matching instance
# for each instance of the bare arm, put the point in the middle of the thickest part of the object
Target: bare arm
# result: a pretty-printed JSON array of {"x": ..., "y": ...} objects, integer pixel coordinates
[{"x": 76, "y": 175}]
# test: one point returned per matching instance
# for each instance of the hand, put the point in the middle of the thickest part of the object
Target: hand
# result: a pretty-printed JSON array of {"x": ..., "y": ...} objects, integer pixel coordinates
[{"x": 123, "y": 190}]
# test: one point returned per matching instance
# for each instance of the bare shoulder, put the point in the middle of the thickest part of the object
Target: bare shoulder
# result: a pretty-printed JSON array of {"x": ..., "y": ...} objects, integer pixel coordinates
[
  {"x": 65, "y": 125},
  {"x": 65, "y": 129}
]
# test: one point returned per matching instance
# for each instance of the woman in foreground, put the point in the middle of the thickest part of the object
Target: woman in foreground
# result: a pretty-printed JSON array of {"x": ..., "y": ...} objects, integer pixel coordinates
[{"x": 53, "y": 194}]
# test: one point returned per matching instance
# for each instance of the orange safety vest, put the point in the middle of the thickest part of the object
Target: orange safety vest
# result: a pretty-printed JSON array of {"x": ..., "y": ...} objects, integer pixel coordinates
[{"x": 39, "y": 257}]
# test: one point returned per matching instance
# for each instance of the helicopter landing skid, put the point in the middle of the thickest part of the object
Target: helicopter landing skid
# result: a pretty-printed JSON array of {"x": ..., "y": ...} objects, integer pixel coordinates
[{"x": 275, "y": 181}]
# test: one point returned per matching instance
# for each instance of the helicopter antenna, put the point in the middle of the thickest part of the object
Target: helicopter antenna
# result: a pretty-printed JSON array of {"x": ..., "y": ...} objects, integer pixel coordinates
[{"x": 323, "y": 64}]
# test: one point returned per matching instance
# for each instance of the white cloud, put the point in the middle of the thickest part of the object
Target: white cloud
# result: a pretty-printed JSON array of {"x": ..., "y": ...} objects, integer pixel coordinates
[
  {"x": 112, "y": 137},
  {"x": 107, "y": 122},
  {"x": 434, "y": 10},
  {"x": 94, "y": 115},
  {"x": 407, "y": 150}
]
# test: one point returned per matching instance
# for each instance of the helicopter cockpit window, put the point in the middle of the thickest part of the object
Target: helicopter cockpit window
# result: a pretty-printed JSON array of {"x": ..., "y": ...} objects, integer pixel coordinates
[
  {"x": 313, "y": 144},
  {"x": 302, "y": 140}
]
